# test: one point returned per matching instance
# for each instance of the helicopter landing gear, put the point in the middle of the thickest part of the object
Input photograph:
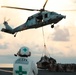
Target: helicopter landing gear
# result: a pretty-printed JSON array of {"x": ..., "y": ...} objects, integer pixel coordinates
[
  {"x": 15, "y": 34},
  {"x": 52, "y": 26}
]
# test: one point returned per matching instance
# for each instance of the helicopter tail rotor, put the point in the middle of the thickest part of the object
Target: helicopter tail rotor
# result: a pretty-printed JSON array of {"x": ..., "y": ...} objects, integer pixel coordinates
[
  {"x": 7, "y": 28},
  {"x": 6, "y": 21}
]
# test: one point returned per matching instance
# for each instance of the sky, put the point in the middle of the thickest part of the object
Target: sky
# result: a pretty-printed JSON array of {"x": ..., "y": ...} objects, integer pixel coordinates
[{"x": 60, "y": 41}]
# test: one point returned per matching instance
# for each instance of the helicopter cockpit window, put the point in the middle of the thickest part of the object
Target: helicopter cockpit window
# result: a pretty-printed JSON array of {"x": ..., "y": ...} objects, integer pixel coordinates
[
  {"x": 30, "y": 18},
  {"x": 51, "y": 12},
  {"x": 39, "y": 18},
  {"x": 46, "y": 15}
]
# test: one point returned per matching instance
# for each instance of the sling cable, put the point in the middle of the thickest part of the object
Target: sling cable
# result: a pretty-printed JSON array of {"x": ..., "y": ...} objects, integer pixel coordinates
[{"x": 45, "y": 49}]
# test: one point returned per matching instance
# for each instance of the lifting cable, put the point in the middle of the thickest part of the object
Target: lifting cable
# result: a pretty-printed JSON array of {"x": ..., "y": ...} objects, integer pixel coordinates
[
  {"x": 45, "y": 48},
  {"x": 44, "y": 41}
]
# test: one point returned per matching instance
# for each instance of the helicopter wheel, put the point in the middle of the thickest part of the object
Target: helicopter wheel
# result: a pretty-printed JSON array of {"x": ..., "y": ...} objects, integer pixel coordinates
[{"x": 52, "y": 26}]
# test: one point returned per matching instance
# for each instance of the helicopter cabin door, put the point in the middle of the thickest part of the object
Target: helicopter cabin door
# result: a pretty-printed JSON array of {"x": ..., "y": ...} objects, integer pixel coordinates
[{"x": 39, "y": 18}]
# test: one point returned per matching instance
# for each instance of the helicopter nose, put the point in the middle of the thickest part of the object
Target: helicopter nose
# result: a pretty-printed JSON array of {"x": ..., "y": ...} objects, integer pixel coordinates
[{"x": 64, "y": 17}]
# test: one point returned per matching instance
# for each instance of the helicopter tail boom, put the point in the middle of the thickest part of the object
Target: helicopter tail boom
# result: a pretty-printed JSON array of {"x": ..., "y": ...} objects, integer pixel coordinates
[{"x": 9, "y": 30}]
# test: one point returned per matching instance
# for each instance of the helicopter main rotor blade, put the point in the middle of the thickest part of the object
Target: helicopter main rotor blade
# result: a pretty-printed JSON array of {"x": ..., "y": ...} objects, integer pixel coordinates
[
  {"x": 45, "y": 4},
  {"x": 20, "y": 8}
]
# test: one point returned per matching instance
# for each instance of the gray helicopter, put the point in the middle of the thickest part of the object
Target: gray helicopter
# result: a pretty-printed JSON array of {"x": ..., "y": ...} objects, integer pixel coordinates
[{"x": 40, "y": 19}]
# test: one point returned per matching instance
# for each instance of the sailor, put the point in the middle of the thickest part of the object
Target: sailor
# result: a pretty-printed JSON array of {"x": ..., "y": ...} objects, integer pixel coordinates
[{"x": 24, "y": 65}]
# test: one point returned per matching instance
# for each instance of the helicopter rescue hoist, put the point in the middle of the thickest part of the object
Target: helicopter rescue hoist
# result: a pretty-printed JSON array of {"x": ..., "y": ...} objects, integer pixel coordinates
[{"x": 40, "y": 19}]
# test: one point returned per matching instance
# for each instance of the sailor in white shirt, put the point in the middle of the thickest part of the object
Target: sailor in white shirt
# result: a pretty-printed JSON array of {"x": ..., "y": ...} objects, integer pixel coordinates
[{"x": 23, "y": 65}]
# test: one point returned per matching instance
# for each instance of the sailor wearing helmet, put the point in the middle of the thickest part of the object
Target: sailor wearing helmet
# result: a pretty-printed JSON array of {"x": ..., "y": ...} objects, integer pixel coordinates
[{"x": 23, "y": 65}]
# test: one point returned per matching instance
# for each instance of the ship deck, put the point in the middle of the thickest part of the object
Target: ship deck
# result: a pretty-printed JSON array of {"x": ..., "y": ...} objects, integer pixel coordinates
[{"x": 8, "y": 71}]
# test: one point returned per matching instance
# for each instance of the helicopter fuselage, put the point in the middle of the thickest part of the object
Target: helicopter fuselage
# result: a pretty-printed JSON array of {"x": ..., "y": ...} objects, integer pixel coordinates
[
  {"x": 35, "y": 21},
  {"x": 40, "y": 19},
  {"x": 43, "y": 18}
]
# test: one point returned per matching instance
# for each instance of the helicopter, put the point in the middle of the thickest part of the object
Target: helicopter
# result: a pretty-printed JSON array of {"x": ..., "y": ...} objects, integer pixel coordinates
[{"x": 40, "y": 19}]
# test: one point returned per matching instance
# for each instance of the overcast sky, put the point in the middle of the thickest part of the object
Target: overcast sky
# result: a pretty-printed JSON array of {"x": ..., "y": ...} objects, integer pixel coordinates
[{"x": 60, "y": 41}]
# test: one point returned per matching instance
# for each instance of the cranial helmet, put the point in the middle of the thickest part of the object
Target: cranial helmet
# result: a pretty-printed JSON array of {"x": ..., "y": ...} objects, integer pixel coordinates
[{"x": 24, "y": 51}]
